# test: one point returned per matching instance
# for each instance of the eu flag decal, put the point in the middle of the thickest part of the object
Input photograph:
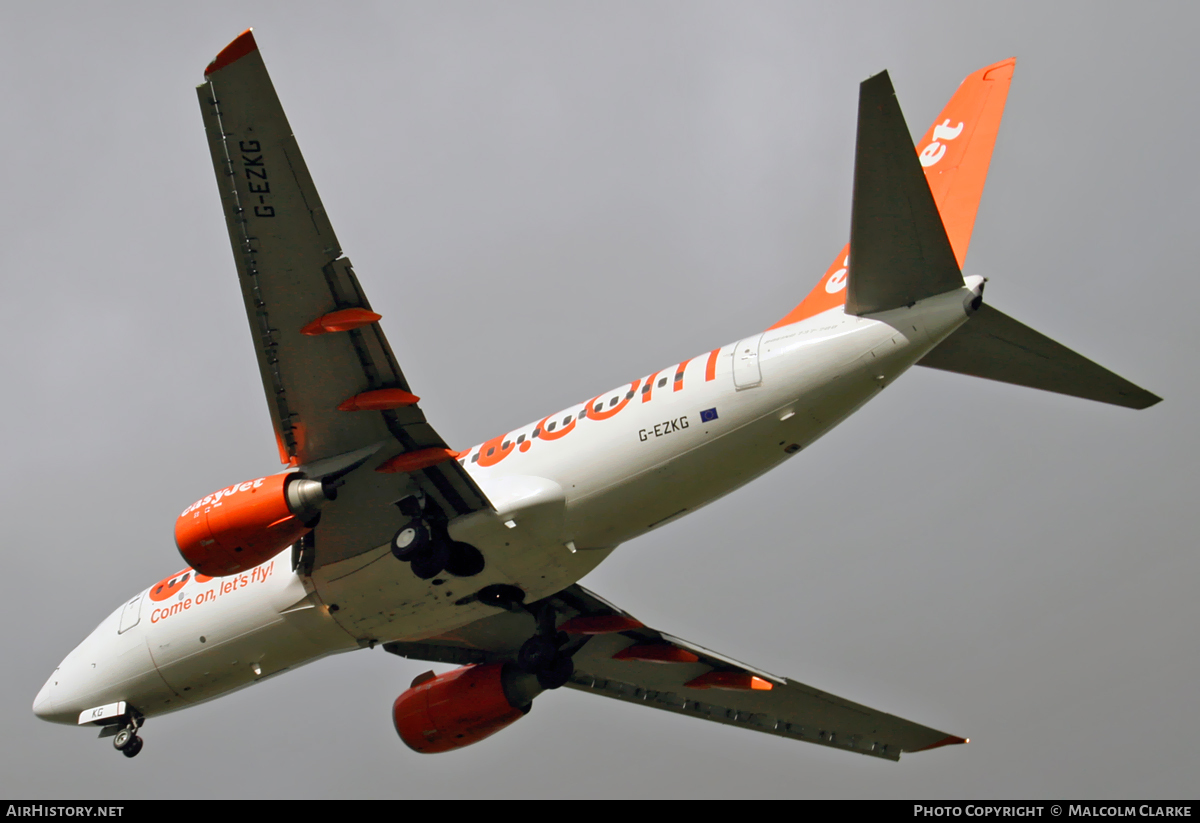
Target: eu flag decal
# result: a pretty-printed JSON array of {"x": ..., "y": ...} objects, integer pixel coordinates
[{"x": 708, "y": 415}]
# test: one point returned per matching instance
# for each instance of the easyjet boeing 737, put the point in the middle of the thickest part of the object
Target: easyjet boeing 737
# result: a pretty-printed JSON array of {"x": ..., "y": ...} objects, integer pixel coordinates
[{"x": 377, "y": 532}]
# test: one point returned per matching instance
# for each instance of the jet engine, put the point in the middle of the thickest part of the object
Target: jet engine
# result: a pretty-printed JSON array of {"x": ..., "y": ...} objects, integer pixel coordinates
[
  {"x": 239, "y": 527},
  {"x": 463, "y": 706}
]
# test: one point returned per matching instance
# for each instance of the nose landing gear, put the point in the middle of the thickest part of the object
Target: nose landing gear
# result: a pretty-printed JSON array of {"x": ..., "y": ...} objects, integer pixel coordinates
[
  {"x": 127, "y": 742},
  {"x": 124, "y": 731}
]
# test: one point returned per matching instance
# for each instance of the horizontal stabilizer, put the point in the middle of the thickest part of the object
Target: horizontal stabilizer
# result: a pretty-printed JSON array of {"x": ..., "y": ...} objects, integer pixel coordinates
[
  {"x": 994, "y": 346},
  {"x": 899, "y": 251}
]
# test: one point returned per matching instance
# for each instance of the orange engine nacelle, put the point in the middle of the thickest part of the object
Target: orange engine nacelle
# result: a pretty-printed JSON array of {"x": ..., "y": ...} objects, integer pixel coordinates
[
  {"x": 461, "y": 707},
  {"x": 248, "y": 523}
]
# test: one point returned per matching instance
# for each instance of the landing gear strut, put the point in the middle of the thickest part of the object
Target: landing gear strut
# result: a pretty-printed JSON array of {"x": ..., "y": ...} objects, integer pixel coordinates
[{"x": 542, "y": 656}]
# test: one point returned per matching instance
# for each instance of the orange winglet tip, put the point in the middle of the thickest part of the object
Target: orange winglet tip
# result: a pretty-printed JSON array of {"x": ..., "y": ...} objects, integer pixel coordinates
[
  {"x": 242, "y": 45},
  {"x": 600, "y": 624},
  {"x": 379, "y": 400},
  {"x": 342, "y": 320},
  {"x": 945, "y": 741},
  {"x": 732, "y": 681},
  {"x": 415, "y": 461},
  {"x": 656, "y": 653}
]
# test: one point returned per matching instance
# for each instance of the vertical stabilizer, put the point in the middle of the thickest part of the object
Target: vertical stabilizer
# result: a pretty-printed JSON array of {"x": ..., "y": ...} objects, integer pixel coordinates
[
  {"x": 955, "y": 154},
  {"x": 899, "y": 251}
]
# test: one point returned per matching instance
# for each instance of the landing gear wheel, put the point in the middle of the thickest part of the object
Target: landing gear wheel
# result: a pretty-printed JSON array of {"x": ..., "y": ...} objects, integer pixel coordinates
[
  {"x": 410, "y": 540},
  {"x": 133, "y": 748},
  {"x": 537, "y": 654},
  {"x": 465, "y": 560},
  {"x": 556, "y": 674},
  {"x": 124, "y": 739},
  {"x": 431, "y": 561}
]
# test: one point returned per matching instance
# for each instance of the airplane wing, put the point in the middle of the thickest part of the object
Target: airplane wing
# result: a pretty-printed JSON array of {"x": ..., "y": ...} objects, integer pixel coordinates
[
  {"x": 332, "y": 383},
  {"x": 616, "y": 656}
]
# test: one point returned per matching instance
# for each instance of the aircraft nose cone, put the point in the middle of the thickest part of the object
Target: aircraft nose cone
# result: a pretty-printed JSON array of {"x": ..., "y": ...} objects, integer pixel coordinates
[{"x": 43, "y": 704}]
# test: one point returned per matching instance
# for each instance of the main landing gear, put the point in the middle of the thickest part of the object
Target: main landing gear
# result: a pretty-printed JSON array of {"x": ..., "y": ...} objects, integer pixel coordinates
[
  {"x": 542, "y": 654},
  {"x": 425, "y": 543}
]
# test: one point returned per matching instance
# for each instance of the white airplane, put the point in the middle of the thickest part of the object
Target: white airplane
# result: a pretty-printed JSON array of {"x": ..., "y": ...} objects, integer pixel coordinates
[{"x": 378, "y": 533}]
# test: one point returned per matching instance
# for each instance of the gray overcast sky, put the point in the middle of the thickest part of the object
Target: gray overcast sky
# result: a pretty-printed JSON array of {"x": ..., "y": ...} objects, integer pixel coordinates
[{"x": 544, "y": 200}]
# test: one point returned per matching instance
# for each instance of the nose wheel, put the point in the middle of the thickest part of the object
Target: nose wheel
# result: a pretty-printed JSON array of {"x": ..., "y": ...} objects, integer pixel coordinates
[{"x": 127, "y": 740}]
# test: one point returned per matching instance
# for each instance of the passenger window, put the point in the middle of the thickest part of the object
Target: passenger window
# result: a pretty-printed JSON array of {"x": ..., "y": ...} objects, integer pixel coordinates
[
  {"x": 662, "y": 382},
  {"x": 475, "y": 457},
  {"x": 629, "y": 395},
  {"x": 491, "y": 451},
  {"x": 614, "y": 400},
  {"x": 521, "y": 439},
  {"x": 645, "y": 388},
  {"x": 504, "y": 446},
  {"x": 566, "y": 419},
  {"x": 550, "y": 427}
]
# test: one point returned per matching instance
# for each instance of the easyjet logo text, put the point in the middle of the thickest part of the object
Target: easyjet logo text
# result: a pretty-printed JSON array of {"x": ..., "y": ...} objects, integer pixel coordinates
[
  {"x": 934, "y": 151},
  {"x": 216, "y": 497},
  {"x": 601, "y": 407}
]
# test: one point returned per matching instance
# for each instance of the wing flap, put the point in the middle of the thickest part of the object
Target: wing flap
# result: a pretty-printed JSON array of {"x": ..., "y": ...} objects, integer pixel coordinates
[{"x": 788, "y": 709}]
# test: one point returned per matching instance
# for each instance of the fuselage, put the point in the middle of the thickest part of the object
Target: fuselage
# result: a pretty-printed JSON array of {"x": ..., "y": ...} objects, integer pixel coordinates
[{"x": 566, "y": 490}]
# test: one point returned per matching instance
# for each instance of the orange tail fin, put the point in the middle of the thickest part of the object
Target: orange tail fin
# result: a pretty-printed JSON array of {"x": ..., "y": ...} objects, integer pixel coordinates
[{"x": 956, "y": 152}]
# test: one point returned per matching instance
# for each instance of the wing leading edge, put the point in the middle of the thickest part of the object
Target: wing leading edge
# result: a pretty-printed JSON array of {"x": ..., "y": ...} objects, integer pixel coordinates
[
  {"x": 332, "y": 383},
  {"x": 628, "y": 665}
]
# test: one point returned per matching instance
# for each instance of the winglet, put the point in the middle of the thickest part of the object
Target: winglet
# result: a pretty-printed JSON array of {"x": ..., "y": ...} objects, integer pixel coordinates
[
  {"x": 242, "y": 45},
  {"x": 945, "y": 741}
]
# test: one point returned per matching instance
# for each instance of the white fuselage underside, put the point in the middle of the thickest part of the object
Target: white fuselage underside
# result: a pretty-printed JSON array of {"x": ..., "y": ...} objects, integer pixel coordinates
[{"x": 562, "y": 503}]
